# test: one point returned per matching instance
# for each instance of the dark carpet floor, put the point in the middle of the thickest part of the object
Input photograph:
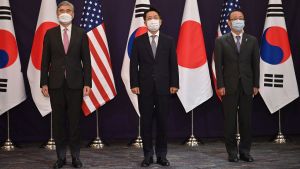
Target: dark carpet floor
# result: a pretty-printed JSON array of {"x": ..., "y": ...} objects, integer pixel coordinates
[{"x": 117, "y": 155}]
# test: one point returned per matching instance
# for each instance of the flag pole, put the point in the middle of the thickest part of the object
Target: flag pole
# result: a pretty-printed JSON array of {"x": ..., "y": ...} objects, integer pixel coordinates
[
  {"x": 50, "y": 145},
  {"x": 138, "y": 142},
  {"x": 237, "y": 135},
  {"x": 8, "y": 144},
  {"x": 280, "y": 139},
  {"x": 192, "y": 141},
  {"x": 97, "y": 143}
]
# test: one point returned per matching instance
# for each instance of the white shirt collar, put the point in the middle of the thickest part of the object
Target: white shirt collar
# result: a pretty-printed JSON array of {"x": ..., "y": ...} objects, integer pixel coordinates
[
  {"x": 68, "y": 27},
  {"x": 235, "y": 35},
  {"x": 150, "y": 34}
]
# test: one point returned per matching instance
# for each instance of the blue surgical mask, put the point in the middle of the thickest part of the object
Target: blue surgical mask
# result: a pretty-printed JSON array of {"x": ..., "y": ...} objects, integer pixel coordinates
[{"x": 238, "y": 24}]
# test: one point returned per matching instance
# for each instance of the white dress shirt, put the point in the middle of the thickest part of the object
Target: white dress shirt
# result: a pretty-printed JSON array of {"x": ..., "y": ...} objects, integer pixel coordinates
[
  {"x": 235, "y": 35},
  {"x": 155, "y": 39},
  {"x": 68, "y": 32}
]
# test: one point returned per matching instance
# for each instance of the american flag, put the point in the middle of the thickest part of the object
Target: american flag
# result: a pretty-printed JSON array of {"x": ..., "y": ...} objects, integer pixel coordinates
[
  {"x": 228, "y": 6},
  {"x": 223, "y": 28},
  {"x": 103, "y": 89}
]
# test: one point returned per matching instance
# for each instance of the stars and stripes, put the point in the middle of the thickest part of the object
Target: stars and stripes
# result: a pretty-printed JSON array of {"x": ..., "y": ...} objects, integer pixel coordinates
[{"x": 103, "y": 89}]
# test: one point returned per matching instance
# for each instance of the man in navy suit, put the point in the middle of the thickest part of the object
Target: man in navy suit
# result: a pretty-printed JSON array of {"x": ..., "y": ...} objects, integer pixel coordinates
[
  {"x": 154, "y": 77},
  {"x": 66, "y": 77}
]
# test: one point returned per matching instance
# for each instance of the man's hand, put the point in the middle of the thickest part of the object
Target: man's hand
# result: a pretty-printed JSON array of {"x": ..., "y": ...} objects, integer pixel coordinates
[
  {"x": 221, "y": 91},
  {"x": 173, "y": 90},
  {"x": 135, "y": 90},
  {"x": 45, "y": 91},
  {"x": 255, "y": 91},
  {"x": 86, "y": 90}
]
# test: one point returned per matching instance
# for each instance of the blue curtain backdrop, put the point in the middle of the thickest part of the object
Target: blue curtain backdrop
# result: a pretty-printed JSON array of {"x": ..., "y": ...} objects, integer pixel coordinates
[{"x": 117, "y": 118}]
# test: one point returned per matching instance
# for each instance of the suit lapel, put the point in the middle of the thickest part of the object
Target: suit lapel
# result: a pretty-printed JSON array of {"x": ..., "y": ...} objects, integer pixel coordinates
[
  {"x": 59, "y": 37},
  {"x": 244, "y": 42},
  {"x": 72, "y": 39},
  {"x": 147, "y": 45},
  {"x": 232, "y": 42},
  {"x": 158, "y": 49}
]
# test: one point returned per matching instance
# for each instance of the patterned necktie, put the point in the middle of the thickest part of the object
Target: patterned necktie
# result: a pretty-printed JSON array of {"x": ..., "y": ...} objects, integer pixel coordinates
[
  {"x": 153, "y": 45},
  {"x": 66, "y": 40},
  {"x": 238, "y": 43}
]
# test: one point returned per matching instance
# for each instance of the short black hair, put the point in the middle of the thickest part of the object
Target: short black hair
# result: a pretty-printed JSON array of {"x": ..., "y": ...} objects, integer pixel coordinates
[
  {"x": 151, "y": 9},
  {"x": 236, "y": 10}
]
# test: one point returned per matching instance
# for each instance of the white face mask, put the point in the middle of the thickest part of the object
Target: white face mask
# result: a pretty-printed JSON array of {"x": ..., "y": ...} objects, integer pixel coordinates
[
  {"x": 153, "y": 25},
  {"x": 238, "y": 24},
  {"x": 65, "y": 18}
]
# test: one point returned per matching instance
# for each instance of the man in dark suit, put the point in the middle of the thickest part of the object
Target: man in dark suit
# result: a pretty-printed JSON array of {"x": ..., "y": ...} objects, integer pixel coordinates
[
  {"x": 153, "y": 77},
  {"x": 237, "y": 70},
  {"x": 66, "y": 77}
]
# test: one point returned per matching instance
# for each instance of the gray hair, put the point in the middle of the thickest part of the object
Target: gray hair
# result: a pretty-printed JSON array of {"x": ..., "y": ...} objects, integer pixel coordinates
[{"x": 65, "y": 3}]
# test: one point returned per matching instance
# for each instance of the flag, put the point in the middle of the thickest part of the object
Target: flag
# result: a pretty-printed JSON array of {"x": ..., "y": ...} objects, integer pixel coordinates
[
  {"x": 194, "y": 79},
  {"x": 137, "y": 28},
  {"x": 223, "y": 28},
  {"x": 103, "y": 89},
  {"x": 278, "y": 84},
  {"x": 47, "y": 19},
  {"x": 12, "y": 90}
]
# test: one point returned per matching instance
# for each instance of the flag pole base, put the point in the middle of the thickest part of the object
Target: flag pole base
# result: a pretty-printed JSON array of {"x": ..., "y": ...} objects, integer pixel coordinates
[
  {"x": 96, "y": 144},
  {"x": 137, "y": 143},
  {"x": 8, "y": 145},
  {"x": 50, "y": 145},
  {"x": 280, "y": 139},
  {"x": 192, "y": 141}
]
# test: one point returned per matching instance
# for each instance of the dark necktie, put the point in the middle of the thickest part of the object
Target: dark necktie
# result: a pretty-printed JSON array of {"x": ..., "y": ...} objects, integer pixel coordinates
[
  {"x": 238, "y": 43},
  {"x": 153, "y": 45}
]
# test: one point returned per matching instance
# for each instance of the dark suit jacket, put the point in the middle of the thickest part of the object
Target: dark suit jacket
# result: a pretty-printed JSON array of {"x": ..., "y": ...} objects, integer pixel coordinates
[
  {"x": 145, "y": 70},
  {"x": 76, "y": 63},
  {"x": 232, "y": 66}
]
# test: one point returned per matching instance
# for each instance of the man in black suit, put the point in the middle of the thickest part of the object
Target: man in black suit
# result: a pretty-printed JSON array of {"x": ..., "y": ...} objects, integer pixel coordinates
[
  {"x": 237, "y": 70},
  {"x": 66, "y": 77},
  {"x": 153, "y": 77}
]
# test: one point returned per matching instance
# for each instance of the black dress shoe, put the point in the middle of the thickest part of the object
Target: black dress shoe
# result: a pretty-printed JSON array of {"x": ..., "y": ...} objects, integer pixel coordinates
[
  {"x": 59, "y": 163},
  {"x": 163, "y": 161},
  {"x": 147, "y": 161},
  {"x": 76, "y": 163},
  {"x": 233, "y": 158},
  {"x": 246, "y": 157}
]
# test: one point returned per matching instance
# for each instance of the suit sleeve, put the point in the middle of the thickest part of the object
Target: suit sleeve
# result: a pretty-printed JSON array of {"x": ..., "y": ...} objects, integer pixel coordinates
[
  {"x": 46, "y": 59},
  {"x": 219, "y": 63},
  {"x": 86, "y": 61},
  {"x": 174, "y": 81},
  {"x": 134, "y": 64},
  {"x": 255, "y": 64}
]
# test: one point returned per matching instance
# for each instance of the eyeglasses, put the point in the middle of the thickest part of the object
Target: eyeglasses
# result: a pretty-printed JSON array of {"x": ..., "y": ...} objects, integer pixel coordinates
[{"x": 236, "y": 19}]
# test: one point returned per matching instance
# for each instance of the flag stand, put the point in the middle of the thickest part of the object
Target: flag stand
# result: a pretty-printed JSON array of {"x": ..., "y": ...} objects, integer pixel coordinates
[
  {"x": 50, "y": 145},
  {"x": 280, "y": 139},
  {"x": 138, "y": 142},
  {"x": 8, "y": 144},
  {"x": 192, "y": 141},
  {"x": 97, "y": 143}
]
